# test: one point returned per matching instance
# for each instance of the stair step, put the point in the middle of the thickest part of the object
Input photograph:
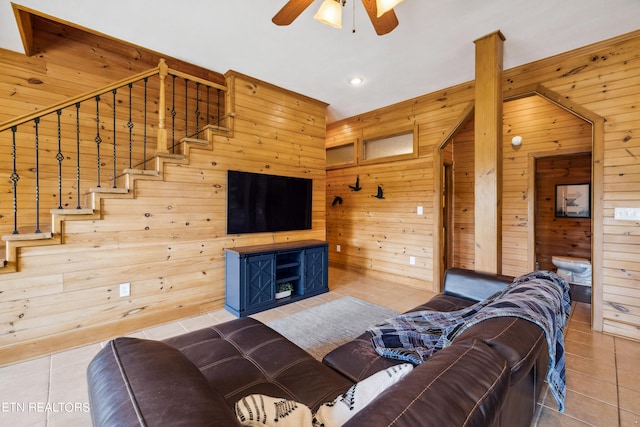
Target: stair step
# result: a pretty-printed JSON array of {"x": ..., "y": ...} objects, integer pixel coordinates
[
  {"x": 81, "y": 211},
  {"x": 196, "y": 141},
  {"x": 31, "y": 235},
  {"x": 170, "y": 156},
  {"x": 142, "y": 172},
  {"x": 108, "y": 190},
  {"x": 58, "y": 216},
  {"x": 217, "y": 128}
]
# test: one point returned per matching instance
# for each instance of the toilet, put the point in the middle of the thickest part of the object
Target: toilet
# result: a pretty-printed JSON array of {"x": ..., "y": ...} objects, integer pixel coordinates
[{"x": 574, "y": 270}]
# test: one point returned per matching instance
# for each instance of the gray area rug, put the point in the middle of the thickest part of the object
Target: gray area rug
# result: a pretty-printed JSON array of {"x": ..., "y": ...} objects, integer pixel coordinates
[{"x": 320, "y": 329}]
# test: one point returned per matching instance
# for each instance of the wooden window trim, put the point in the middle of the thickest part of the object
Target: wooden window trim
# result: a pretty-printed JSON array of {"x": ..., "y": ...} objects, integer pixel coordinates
[
  {"x": 413, "y": 155},
  {"x": 354, "y": 162}
]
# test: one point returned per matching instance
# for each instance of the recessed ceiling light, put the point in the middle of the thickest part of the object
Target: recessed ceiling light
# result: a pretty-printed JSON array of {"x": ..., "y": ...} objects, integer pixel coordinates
[{"x": 355, "y": 81}]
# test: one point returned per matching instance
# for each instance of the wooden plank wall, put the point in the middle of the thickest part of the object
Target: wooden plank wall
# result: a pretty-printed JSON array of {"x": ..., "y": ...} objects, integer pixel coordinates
[
  {"x": 378, "y": 237},
  {"x": 463, "y": 197},
  {"x": 169, "y": 240},
  {"x": 52, "y": 76},
  {"x": 603, "y": 78}
]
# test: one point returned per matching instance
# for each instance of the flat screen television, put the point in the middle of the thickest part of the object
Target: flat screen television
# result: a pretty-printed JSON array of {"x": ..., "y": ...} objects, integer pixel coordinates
[{"x": 259, "y": 203}]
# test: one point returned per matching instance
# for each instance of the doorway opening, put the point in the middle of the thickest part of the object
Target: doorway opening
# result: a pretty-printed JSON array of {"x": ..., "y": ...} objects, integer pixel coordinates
[{"x": 563, "y": 236}]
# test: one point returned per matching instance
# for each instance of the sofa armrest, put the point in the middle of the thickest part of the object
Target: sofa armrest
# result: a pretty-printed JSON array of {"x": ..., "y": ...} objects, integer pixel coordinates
[
  {"x": 473, "y": 285},
  {"x": 134, "y": 382},
  {"x": 464, "y": 384}
]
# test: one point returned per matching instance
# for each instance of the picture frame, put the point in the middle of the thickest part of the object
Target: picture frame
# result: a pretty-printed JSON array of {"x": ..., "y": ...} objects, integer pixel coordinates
[{"x": 573, "y": 201}]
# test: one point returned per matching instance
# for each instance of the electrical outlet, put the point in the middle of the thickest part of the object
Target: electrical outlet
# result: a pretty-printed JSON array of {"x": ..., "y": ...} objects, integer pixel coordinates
[
  {"x": 125, "y": 289},
  {"x": 412, "y": 260},
  {"x": 420, "y": 210},
  {"x": 337, "y": 248}
]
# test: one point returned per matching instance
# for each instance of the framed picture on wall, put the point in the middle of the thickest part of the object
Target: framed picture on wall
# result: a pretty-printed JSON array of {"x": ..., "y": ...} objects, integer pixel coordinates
[{"x": 573, "y": 201}]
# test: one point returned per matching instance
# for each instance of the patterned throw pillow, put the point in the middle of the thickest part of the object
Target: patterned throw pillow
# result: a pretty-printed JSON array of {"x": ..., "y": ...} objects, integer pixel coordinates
[
  {"x": 257, "y": 410},
  {"x": 345, "y": 406}
]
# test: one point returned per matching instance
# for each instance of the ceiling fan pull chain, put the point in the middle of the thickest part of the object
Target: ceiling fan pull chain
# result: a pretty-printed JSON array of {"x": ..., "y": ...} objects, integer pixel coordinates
[{"x": 353, "y": 29}]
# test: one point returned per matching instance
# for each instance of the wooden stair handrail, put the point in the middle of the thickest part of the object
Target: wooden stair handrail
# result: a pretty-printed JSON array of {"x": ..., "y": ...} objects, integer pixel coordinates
[
  {"x": 91, "y": 94},
  {"x": 72, "y": 101},
  {"x": 197, "y": 79}
]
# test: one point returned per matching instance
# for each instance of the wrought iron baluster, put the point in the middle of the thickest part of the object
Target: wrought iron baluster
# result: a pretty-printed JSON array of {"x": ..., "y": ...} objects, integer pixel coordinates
[
  {"x": 130, "y": 126},
  {"x": 78, "y": 153},
  {"x": 144, "y": 143},
  {"x": 186, "y": 108},
  {"x": 98, "y": 139},
  {"x": 173, "y": 114},
  {"x": 37, "y": 149},
  {"x": 59, "y": 158},
  {"x": 115, "y": 157},
  {"x": 208, "y": 104},
  {"x": 197, "y": 109},
  {"x": 218, "y": 105},
  {"x": 14, "y": 178}
]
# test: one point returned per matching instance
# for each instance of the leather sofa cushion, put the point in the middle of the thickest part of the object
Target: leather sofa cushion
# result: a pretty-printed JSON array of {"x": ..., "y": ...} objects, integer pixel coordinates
[
  {"x": 439, "y": 392},
  {"x": 357, "y": 359},
  {"x": 135, "y": 382},
  {"x": 244, "y": 356}
]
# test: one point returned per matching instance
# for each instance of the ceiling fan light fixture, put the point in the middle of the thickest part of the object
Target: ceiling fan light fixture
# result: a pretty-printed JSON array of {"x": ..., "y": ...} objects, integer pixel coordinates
[
  {"x": 330, "y": 13},
  {"x": 384, "y": 6}
]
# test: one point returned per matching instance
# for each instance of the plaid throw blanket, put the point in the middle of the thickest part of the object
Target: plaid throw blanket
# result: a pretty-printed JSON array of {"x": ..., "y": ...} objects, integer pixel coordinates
[{"x": 540, "y": 297}]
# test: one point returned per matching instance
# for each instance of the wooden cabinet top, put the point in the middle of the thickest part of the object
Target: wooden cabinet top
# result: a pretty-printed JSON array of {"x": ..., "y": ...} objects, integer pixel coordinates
[{"x": 274, "y": 247}]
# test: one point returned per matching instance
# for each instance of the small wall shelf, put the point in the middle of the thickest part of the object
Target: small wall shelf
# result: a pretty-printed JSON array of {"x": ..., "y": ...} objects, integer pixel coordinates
[{"x": 253, "y": 273}]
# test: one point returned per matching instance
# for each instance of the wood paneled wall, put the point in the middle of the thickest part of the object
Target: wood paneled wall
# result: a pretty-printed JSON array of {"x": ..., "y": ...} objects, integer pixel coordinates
[
  {"x": 602, "y": 78},
  {"x": 168, "y": 240},
  {"x": 379, "y": 237},
  {"x": 51, "y": 76},
  {"x": 463, "y": 197}
]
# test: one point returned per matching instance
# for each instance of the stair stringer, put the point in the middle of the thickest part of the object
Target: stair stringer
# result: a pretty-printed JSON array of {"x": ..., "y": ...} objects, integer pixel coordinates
[{"x": 9, "y": 256}]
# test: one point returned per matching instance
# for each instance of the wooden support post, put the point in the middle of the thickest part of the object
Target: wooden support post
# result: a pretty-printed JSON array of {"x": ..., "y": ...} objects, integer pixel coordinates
[
  {"x": 488, "y": 153},
  {"x": 163, "y": 72}
]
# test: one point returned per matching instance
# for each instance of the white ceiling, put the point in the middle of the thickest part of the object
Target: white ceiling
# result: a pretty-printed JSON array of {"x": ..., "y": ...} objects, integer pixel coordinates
[{"x": 431, "y": 49}]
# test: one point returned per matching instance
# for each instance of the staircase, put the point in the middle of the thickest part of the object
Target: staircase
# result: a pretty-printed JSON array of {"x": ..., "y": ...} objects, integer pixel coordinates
[{"x": 78, "y": 130}]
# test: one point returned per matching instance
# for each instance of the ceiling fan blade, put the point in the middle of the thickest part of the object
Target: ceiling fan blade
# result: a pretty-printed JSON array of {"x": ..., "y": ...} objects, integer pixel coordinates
[
  {"x": 290, "y": 11},
  {"x": 383, "y": 25}
]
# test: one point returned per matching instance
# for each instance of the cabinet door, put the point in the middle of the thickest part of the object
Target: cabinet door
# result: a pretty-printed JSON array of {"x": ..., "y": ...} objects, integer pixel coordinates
[
  {"x": 315, "y": 269},
  {"x": 259, "y": 273}
]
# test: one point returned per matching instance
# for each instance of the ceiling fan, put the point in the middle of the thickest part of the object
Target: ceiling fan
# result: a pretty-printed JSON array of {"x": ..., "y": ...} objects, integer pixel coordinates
[{"x": 380, "y": 13}]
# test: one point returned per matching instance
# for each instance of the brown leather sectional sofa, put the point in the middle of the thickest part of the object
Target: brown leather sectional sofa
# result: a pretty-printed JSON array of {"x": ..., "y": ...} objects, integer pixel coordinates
[{"x": 491, "y": 375}]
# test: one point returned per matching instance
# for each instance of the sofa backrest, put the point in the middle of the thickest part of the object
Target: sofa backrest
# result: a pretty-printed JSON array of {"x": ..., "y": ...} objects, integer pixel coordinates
[{"x": 473, "y": 285}]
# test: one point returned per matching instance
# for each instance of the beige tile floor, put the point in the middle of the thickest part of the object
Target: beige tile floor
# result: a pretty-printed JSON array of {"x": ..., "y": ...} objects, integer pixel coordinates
[{"x": 603, "y": 372}]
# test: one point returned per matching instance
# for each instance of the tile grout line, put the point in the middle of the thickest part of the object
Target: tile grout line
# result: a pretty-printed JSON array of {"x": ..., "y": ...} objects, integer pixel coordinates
[
  {"x": 615, "y": 365},
  {"x": 47, "y": 414}
]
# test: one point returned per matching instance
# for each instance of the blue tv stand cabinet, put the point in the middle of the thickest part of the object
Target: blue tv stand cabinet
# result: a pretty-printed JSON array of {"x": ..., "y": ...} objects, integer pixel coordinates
[{"x": 254, "y": 272}]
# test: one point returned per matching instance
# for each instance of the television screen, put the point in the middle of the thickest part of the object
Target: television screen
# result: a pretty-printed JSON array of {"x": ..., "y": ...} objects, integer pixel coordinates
[{"x": 265, "y": 203}]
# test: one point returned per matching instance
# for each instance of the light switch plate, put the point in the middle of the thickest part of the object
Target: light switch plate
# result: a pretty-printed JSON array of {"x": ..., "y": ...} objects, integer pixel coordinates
[{"x": 627, "y": 214}]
